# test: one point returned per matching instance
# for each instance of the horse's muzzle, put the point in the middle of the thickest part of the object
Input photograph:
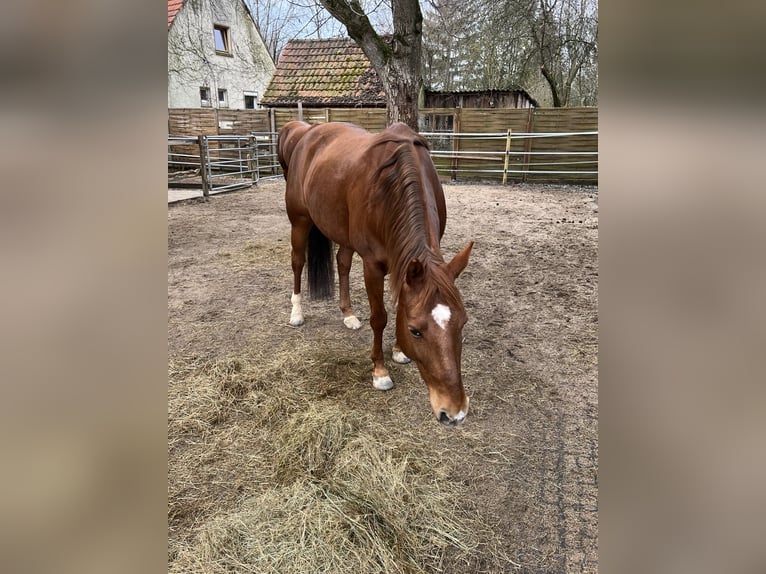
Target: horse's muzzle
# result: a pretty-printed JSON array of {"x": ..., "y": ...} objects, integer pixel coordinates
[{"x": 449, "y": 421}]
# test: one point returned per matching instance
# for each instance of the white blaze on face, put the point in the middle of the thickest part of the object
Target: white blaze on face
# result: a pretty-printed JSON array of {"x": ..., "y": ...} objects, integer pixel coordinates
[{"x": 441, "y": 315}]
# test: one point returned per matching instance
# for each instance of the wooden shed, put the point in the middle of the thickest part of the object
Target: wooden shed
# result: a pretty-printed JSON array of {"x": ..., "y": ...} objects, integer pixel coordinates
[{"x": 500, "y": 99}]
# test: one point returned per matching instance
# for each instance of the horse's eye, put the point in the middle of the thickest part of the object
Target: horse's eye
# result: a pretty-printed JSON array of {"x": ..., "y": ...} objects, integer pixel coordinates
[{"x": 415, "y": 332}]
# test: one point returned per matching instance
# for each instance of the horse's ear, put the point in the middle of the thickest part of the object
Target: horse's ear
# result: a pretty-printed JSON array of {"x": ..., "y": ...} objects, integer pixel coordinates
[
  {"x": 460, "y": 261},
  {"x": 415, "y": 273}
]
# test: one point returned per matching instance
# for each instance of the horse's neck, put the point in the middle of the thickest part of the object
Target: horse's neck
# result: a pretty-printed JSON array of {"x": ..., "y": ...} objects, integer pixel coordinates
[
  {"x": 423, "y": 229},
  {"x": 414, "y": 230},
  {"x": 412, "y": 223},
  {"x": 421, "y": 243}
]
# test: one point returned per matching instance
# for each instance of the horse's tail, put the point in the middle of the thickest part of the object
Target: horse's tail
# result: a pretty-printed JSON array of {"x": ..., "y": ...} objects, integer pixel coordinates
[{"x": 320, "y": 264}]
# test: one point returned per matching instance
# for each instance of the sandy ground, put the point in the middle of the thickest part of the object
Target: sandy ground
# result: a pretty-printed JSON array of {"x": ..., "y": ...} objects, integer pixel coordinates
[{"x": 527, "y": 455}]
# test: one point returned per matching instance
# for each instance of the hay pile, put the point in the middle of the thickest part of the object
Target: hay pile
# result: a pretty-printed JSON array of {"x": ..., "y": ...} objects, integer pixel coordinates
[{"x": 272, "y": 470}]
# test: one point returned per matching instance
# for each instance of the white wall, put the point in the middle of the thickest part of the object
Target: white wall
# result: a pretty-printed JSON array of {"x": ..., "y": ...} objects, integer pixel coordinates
[{"x": 193, "y": 62}]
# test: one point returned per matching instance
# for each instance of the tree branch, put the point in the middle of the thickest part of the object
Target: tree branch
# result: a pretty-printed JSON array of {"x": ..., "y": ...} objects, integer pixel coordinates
[{"x": 359, "y": 28}]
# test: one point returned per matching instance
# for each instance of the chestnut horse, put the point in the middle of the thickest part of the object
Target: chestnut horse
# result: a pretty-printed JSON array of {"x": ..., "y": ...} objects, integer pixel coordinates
[{"x": 379, "y": 195}]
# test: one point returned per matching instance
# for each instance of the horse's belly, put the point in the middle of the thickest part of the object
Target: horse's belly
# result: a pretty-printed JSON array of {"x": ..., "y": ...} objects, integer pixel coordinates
[
  {"x": 335, "y": 193},
  {"x": 328, "y": 210}
]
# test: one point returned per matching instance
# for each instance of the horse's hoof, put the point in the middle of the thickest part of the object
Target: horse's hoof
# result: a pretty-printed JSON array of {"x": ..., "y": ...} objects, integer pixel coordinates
[
  {"x": 382, "y": 383},
  {"x": 296, "y": 321},
  {"x": 400, "y": 358},
  {"x": 352, "y": 322}
]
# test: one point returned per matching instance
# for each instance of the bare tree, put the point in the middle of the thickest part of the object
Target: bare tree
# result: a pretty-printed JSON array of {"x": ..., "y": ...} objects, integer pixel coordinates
[
  {"x": 454, "y": 44},
  {"x": 449, "y": 32},
  {"x": 459, "y": 54},
  {"x": 499, "y": 44},
  {"x": 280, "y": 21},
  {"x": 187, "y": 54},
  {"x": 565, "y": 35},
  {"x": 274, "y": 21},
  {"x": 193, "y": 62},
  {"x": 395, "y": 57}
]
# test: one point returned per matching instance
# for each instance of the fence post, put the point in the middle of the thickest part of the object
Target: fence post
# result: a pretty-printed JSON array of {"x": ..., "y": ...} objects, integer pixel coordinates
[
  {"x": 455, "y": 144},
  {"x": 507, "y": 157},
  {"x": 273, "y": 138},
  {"x": 242, "y": 165},
  {"x": 203, "y": 159},
  {"x": 300, "y": 111},
  {"x": 252, "y": 154},
  {"x": 527, "y": 145}
]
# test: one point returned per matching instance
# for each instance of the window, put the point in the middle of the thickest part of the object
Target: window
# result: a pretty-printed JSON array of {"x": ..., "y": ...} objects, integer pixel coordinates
[
  {"x": 221, "y": 36},
  {"x": 223, "y": 101},
  {"x": 251, "y": 100},
  {"x": 204, "y": 97}
]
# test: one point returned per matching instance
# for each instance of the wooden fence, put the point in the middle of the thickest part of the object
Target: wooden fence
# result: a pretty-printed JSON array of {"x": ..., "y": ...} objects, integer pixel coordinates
[
  {"x": 530, "y": 158},
  {"x": 524, "y": 156}
]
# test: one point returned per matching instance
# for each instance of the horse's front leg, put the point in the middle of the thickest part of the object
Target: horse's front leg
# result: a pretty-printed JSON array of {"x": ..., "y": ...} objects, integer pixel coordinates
[
  {"x": 373, "y": 281},
  {"x": 345, "y": 254}
]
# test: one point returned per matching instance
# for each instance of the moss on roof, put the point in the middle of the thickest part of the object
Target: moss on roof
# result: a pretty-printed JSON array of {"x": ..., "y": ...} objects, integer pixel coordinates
[{"x": 332, "y": 72}]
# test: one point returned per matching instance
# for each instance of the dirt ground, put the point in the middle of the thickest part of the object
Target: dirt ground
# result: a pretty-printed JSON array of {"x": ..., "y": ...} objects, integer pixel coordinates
[{"x": 527, "y": 457}]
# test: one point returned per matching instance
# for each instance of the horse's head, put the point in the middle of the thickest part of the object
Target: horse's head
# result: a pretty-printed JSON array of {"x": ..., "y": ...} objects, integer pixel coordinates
[
  {"x": 288, "y": 138},
  {"x": 429, "y": 329}
]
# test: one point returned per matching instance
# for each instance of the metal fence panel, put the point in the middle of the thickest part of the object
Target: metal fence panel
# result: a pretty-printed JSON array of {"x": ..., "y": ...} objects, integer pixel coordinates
[{"x": 221, "y": 163}]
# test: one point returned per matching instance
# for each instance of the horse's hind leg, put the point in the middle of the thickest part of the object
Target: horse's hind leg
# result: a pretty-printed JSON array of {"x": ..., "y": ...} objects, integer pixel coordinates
[
  {"x": 398, "y": 355},
  {"x": 345, "y": 254},
  {"x": 298, "y": 238}
]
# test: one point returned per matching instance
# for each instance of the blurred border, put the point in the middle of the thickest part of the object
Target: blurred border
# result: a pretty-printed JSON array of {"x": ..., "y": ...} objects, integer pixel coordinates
[
  {"x": 83, "y": 306},
  {"x": 83, "y": 254},
  {"x": 682, "y": 278}
]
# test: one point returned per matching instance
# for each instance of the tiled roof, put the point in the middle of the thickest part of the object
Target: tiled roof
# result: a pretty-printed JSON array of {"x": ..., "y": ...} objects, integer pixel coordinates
[
  {"x": 173, "y": 7},
  {"x": 324, "y": 73}
]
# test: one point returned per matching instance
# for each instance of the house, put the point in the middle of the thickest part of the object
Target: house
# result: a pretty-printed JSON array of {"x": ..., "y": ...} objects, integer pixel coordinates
[
  {"x": 513, "y": 98},
  {"x": 216, "y": 55},
  {"x": 332, "y": 73}
]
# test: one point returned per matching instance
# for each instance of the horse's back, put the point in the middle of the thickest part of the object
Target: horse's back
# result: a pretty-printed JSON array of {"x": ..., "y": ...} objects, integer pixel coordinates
[
  {"x": 325, "y": 149},
  {"x": 325, "y": 175},
  {"x": 332, "y": 173},
  {"x": 338, "y": 150}
]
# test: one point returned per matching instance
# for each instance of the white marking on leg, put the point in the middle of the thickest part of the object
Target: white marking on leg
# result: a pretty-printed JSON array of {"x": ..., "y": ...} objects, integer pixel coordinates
[
  {"x": 400, "y": 357},
  {"x": 441, "y": 315},
  {"x": 352, "y": 322},
  {"x": 382, "y": 383},
  {"x": 296, "y": 315}
]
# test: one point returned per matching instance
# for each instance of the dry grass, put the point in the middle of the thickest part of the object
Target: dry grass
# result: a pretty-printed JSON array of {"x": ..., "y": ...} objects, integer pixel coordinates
[
  {"x": 279, "y": 448},
  {"x": 272, "y": 469},
  {"x": 258, "y": 252}
]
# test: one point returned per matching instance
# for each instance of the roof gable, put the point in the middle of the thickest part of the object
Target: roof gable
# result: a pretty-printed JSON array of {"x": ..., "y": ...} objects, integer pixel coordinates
[
  {"x": 173, "y": 7},
  {"x": 332, "y": 72}
]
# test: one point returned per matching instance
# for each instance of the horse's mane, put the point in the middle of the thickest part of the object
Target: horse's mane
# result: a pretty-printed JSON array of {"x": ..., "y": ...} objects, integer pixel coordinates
[{"x": 399, "y": 193}]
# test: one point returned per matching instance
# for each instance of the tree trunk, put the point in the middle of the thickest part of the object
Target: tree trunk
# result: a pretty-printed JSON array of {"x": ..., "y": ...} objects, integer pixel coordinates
[
  {"x": 404, "y": 81},
  {"x": 557, "y": 103},
  {"x": 396, "y": 60},
  {"x": 404, "y": 67}
]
